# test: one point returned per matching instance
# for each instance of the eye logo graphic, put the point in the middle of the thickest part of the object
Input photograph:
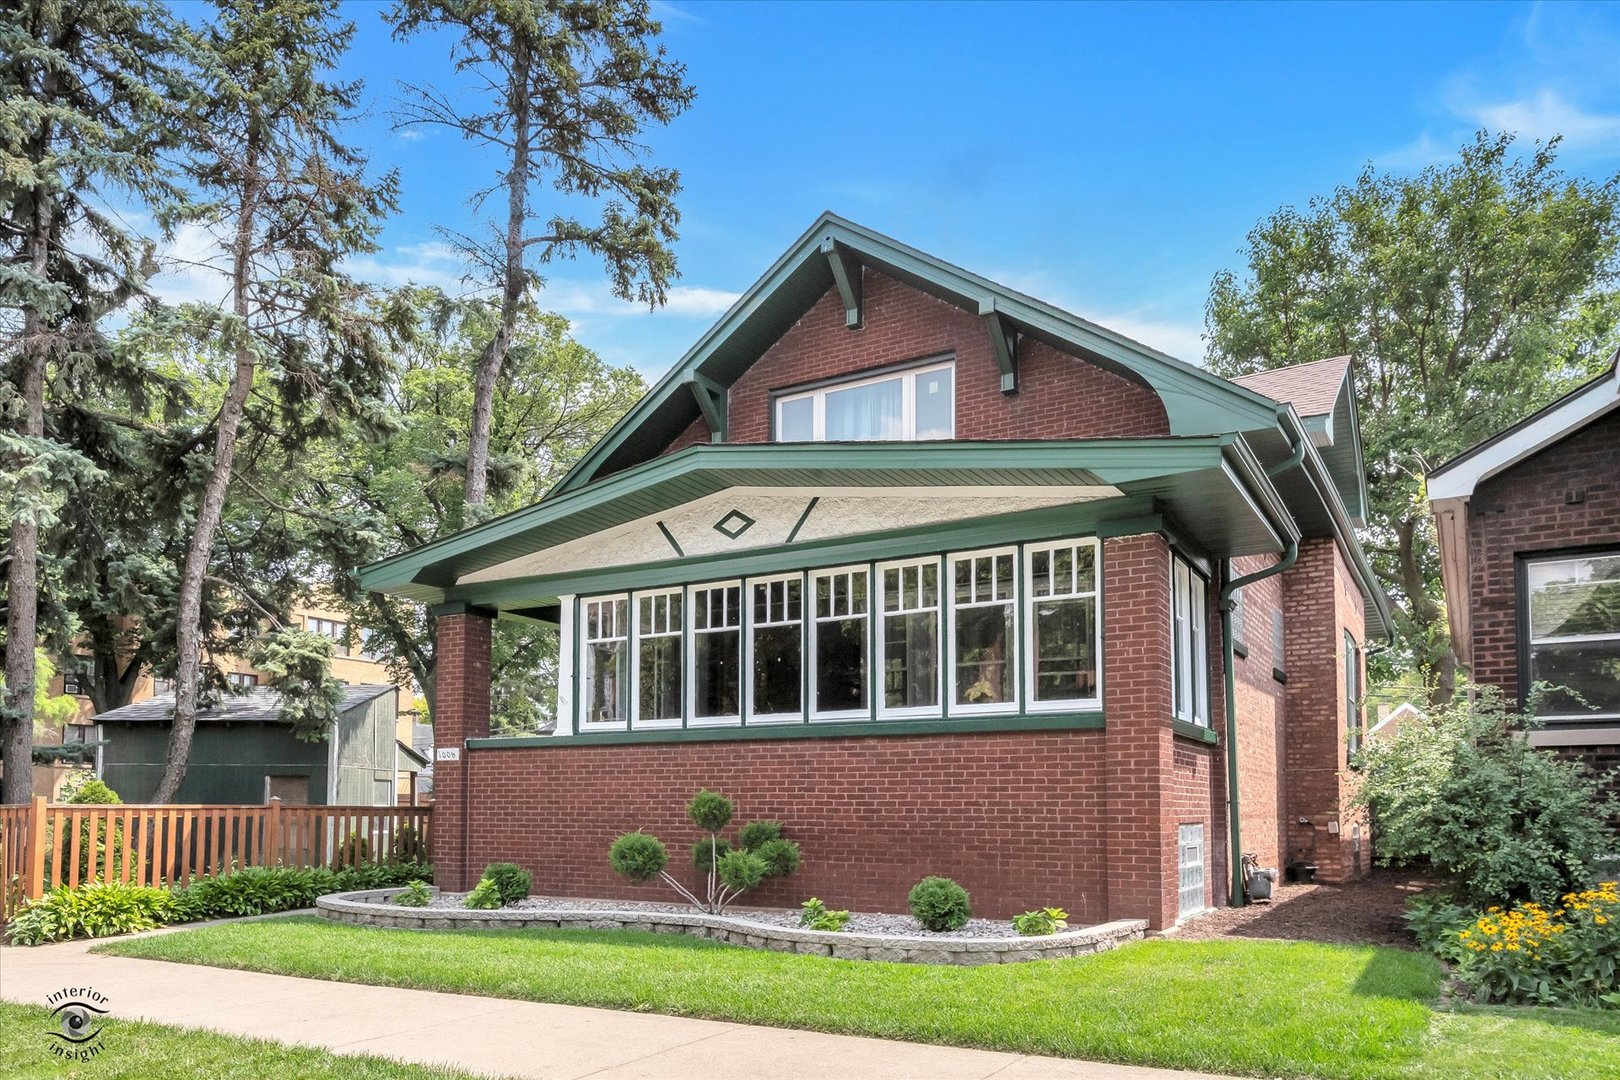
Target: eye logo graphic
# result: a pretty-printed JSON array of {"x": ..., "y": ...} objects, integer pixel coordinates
[{"x": 77, "y": 1024}]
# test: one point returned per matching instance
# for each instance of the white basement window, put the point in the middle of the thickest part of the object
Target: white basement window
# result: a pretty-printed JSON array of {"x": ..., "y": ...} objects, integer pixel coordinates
[
  {"x": 1573, "y": 625},
  {"x": 717, "y": 654},
  {"x": 1062, "y": 625},
  {"x": 912, "y": 404},
  {"x": 1190, "y": 870},
  {"x": 910, "y": 648},
  {"x": 838, "y": 636},
  {"x": 1189, "y": 643},
  {"x": 659, "y": 659},
  {"x": 776, "y": 628},
  {"x": 983, "y": 644},
  {"x": 606, "y": 669}
]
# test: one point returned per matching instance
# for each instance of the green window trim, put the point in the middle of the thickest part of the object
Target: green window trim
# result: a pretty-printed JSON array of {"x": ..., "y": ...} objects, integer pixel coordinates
[
  {"x": 1091, "y": 720},
  {"x": 1194, "y": 732}
]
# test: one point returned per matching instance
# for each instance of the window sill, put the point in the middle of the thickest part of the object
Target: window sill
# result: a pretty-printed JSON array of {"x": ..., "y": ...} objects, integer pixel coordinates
[
  {"x": 1279, "y": 675},
  {"x": 1076, "y": 721},
  {"x": 1193, "y": 732},
  {"x": 1240, "y": 649}
]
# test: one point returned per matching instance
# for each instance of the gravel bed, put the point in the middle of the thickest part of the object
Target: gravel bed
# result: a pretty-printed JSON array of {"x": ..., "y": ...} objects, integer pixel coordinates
[{"x": 860, "y": 922}]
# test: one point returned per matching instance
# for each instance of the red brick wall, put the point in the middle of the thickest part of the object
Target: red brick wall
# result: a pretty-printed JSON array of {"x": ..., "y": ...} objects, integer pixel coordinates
[
  {"x": 1527, "y": 509},
  {"x": 460, "y": 712},
  {"x": 1318, "y": 785},
  {"x": 1059, "y": 397},
  {"x": 1261, "y": 707}
]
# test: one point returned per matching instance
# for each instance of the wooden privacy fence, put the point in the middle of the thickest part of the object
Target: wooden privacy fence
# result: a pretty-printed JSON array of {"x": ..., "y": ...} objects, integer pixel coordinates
[{"x": 42, "y": 846}]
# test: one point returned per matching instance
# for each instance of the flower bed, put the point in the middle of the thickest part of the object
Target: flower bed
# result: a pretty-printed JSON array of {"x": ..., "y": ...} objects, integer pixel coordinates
[{"x": 375, "y": 907}]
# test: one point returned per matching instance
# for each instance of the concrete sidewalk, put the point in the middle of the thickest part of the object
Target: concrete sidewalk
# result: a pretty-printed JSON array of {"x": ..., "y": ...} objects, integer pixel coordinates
[{"x": 500, "y": 1037}]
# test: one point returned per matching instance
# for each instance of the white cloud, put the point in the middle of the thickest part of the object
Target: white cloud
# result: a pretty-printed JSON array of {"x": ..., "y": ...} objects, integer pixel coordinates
[
  {"x": 1546, "y": 113},
  {"x": 1182, "y": 340}
]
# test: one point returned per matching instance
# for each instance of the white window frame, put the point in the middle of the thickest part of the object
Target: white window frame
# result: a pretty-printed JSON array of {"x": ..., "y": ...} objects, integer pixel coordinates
[
  {"x": 749, "y": 626},
  {"x": 636, "y": 722},
  {"x": 1027, "y": 668},
  {"x": 1191, "y": 836},
  {"x": 908, "y": 401},
  {"x": 334, "y": 630},
  {"x": 814, "y": 619},
  {"x": 1189, "y": 643},
  {"x": 880, "y": 631},
  {"x": 692, "y": 632},
  {"x": 991, "y": 708},
  {"x": 1528, "y": 624},
  {"x": 583, "y": 668}
]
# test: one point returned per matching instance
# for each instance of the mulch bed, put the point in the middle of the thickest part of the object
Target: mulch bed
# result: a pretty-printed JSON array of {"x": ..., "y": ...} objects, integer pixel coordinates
[{"x": 1365, "y": 912}]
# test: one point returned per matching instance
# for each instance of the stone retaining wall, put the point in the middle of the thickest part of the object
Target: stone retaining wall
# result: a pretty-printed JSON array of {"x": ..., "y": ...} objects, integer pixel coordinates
[{"x": 375, "y": 907}]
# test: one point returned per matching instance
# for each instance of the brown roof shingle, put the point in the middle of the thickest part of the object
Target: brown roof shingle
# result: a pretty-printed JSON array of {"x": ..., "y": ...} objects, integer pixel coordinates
[{"x": 1310, "y": 388}]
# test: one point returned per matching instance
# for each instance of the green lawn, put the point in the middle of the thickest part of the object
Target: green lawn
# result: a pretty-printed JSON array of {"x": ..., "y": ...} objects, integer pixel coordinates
[
  {"x": 137, "y": 1051},
  {"x": 1244, "y": 1007}
]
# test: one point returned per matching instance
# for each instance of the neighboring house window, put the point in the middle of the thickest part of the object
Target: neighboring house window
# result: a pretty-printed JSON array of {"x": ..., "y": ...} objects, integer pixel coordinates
[
  {"x": 777, "y": 630},
  {"x": 1062, "y": 623},
  {"x": 607, "y": 660},
  {"x": 983, "y": 660},
  {"x": 1352, "y": 695},
  {"x": 162, "y": 686},
  {"x": 659, "y": 661},
  {"x": 838, "y": 643},
  {"x": 241, "y": 678},
  {"x": 1278, "y": 667},
  {"x": 81, "y": 733},
  {"x": 338, "y": 632},
  {"x": 717, "y": 654},
  {"x": 910, "y": 628},
  {"x": 370, "y": 645},
  {"x": 1573, "y": 623},
  {"x": 71, "y": 683},
  {"x": 917, "y": 403},
  {"x": 1189, "y": 643},
  {"x": 1190, "y": 870}
]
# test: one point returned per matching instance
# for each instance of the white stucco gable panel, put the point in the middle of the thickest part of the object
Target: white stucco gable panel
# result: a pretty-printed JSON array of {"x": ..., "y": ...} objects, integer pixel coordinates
[{"x": 742, "y": 519}]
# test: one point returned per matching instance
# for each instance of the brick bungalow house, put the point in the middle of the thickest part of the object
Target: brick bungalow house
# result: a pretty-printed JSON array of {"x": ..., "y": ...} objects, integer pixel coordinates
[
  {"x": 1529, "y": 531},
  {"x": 933, "y": 573}
]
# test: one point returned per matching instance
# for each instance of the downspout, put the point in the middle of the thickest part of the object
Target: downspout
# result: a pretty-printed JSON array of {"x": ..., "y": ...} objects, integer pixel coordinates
[{"x": 1229, "y": 677}]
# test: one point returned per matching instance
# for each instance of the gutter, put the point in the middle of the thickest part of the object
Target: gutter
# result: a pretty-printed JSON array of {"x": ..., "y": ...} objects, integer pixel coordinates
[{"x": 1229, "y": 660}]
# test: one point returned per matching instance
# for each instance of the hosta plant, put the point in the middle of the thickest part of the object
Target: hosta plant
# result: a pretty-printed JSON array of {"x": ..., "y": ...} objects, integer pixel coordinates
[
  {"x": 814, "y": 915},
  {"x": 485, "y": 896},
  {"x": 1041, "y": 922},
  {"x": 416, "y": 894}
]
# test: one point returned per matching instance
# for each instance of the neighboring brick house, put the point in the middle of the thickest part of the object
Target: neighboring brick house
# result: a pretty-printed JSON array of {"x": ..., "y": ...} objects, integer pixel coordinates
[
  {"x": 931, "y": 572},
  {"x": 1529, "y": 531}
]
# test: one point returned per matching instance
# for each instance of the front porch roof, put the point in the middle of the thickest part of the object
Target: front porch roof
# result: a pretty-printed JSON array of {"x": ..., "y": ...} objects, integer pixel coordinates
[{"x": 1211, "y": 488}]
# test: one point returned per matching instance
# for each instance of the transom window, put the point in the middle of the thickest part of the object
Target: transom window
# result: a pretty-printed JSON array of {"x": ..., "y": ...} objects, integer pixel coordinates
[
  {"x": 913, "y": 404},
  {"x": 931, "y": 637},
  {"x": 1573, "y": 625},
  {"x": 1189, "y": 640}
]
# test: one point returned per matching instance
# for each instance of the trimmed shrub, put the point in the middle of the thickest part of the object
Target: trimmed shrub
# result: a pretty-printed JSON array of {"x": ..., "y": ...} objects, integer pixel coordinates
[
  {"x": 705, "y": 851},
  {"x": 95, "y": 793},
  {"x": 638, "y": 856},
  {"x": 940, "y": 904},
  {"x": 416, "y": 894},
  {"x": 779, "y": 856},
  {"x": 511, "y": 880},
  {"x": 485, "y": 896},
  {"x": 709, "y": 810},
  {"x": 1040, "y": 922},
  {"x": 740, "y": 871},
  {"x": 756, "y": 834}
]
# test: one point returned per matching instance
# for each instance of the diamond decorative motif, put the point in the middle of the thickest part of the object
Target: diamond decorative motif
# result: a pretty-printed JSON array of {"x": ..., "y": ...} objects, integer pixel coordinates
[{"x": 734, "y": 524}]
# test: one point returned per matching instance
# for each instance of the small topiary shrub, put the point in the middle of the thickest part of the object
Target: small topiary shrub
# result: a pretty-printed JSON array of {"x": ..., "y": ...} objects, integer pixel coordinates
[
  {"x": 780, "y": 856},
  {"x": 756, "y": 834},
  {"x": 485, "y": 896},
  {"x": 940, "y": 904},
  {"x": 511, "y": 880},
  {"x": 816, "y": 916},
  {"x": 638, "y": 856},
  {"x": 705, "y": 851},
  {"x": 1041, "y": 922},
  {"x": 709, "y": 811},
  {"x": 416, "y": 894},
  {"x": 95, "y": 793},
  {"x": 740, "y": 871},
  {"x": 761, "y": 852}
]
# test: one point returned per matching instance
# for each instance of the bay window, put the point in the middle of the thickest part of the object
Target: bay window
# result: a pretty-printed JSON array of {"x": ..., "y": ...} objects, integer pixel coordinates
[
  {"x": 659, "y": 659},
  {"x": 1189, "y": 641},
  {"x": 717, "y": 654},
  {"x": 910, "y": 642},
  {"x": 982, "y": 638},
  {"x": 777, "y": 644},
  {"x": 1571, "y": 623},
  {"x": 1063, "y": 624},
  {"x": 606, "y": 668},
  {"x": 838, "y": 636},
  {"x": 911, "y": 404}
]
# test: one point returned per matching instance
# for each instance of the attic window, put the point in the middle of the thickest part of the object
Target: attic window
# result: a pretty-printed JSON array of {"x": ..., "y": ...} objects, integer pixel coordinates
[{"x": 900, "y": 406}]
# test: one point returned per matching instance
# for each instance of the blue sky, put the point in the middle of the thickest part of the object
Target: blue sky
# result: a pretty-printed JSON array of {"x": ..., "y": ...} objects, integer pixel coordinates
[{"x": 1108, "y": 158}]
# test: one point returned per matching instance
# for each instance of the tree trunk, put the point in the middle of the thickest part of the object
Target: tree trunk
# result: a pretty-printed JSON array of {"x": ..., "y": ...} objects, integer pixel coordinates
[
  {"x": 1428, "y": 619},
  {"x": 200, "y": 552},
  {"x": 493, "y": 357},
  {"x": 22, "y": 571}
]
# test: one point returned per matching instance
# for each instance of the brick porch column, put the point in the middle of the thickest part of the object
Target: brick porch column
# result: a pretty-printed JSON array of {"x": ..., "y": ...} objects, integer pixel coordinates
[
  {"x": 460, "y": 712},
  {"x": 1137, "y": 708}
]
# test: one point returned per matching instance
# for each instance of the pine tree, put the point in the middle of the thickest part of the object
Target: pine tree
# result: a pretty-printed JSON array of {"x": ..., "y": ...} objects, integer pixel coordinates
[{"x": 572, "y": 84}]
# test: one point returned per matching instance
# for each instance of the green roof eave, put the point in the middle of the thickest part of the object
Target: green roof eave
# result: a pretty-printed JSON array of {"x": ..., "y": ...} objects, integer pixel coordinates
[
  {"x": 1173, "y": 470},
  {"x": 1196, "y": 402}
]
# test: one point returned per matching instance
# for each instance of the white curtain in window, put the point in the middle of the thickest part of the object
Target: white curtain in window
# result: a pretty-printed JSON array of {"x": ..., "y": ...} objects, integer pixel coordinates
[{"x": 872, "y": 411}]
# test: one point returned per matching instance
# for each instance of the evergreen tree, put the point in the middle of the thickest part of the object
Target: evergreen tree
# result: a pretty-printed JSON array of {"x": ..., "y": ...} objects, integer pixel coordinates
[{"x": 571, "y": 86}]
